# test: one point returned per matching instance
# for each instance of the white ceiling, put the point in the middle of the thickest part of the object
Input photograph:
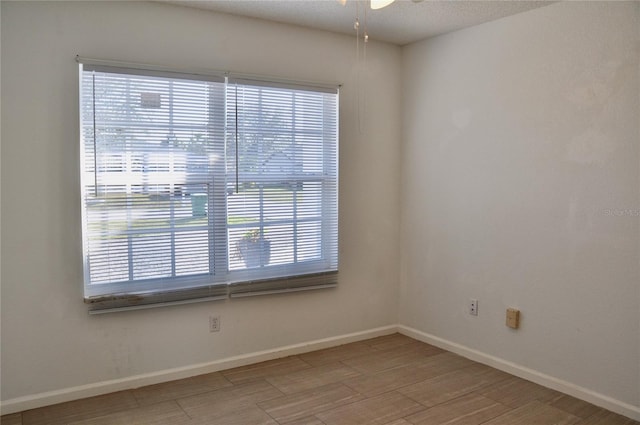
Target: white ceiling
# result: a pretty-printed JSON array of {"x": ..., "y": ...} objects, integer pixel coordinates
[{"x": 402, "y": 22}]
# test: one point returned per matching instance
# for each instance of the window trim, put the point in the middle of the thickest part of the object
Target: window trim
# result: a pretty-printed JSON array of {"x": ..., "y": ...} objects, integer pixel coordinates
[{"x": 207, "y": 286}]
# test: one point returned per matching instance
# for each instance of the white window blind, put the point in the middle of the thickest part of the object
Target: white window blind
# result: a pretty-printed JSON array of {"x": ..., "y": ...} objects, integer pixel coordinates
[
  {"x": 196, "y": 187},
  {"x": 281, "y": 159}
]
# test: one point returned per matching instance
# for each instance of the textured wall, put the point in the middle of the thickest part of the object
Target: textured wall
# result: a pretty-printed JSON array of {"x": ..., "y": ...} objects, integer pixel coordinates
[
  {"x": 521, "y": 162},
  {"x": 48, "y": 340}
]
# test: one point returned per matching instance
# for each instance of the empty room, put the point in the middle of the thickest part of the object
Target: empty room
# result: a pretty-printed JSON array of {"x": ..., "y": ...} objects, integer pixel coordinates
[{"x": 320, "y": 212}]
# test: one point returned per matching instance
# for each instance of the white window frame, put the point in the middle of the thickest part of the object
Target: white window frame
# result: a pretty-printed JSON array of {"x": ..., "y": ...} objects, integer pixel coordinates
[{"x": 221, "y": 282}]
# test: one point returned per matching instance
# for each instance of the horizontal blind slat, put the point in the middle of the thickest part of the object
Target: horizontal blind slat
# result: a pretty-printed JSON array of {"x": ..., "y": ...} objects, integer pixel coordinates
[{"x": 161, "y": 147}]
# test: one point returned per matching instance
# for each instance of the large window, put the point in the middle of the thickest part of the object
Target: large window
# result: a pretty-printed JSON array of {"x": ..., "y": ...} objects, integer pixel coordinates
[{"x": 198, "y": 187}]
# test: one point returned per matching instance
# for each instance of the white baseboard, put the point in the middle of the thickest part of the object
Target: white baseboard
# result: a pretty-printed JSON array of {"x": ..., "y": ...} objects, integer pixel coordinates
[
  {"x": 20, "y": 404},
  {"x": 593, "y": 397}
]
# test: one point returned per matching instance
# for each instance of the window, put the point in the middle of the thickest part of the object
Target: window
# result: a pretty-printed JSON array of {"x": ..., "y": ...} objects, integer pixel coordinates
[{"x": 202, "y": 187}]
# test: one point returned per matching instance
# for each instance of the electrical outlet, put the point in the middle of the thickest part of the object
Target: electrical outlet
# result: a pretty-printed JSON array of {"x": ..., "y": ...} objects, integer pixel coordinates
[
  {"x": 473, "y": 307},
  {"x": 214, "y": 323}
]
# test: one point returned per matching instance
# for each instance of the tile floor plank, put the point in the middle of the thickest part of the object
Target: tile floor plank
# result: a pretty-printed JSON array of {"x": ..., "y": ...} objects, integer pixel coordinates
[
  {"x": 218, "y": 403},
  {"x": 336, "y": 354},
  {"x": 391, "y": 379},
  {"x": 378, "y": 410},
  {"x": 180, "y": 388},
  {"x": 574, "y": 406},
  {"x": 535, "y": 413},
  {"x": 312, "y": 420},
  {"x": 402, "y": 355},
  {"x": 516, "y": 392},
  {"x": 262, "y": 370},
  {"x": 165, "y": 413},
  {"x": 297, "y": 406},
  {"x": 386, "y": 342},
  {"x": 471, "y": 409},
  {"x": 314, "y": 377},
  {"x": 250, "y": 415},
  {"x": 12, "y": 419},
  {"x": 452, "y": 385},
  {"x": 604, "y": 417},
  {"x": 76, "y": 410}
]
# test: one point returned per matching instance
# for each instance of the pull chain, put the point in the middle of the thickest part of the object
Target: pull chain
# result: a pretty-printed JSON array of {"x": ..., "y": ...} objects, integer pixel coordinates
[{"x": 361, "y": 64}]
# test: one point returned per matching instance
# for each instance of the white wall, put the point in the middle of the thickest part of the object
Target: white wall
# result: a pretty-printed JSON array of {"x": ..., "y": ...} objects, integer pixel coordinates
[
  {"x": 520, "y": 135},
  {"x": 49, "y": 342},
  {"x": 521, "y": 151}
]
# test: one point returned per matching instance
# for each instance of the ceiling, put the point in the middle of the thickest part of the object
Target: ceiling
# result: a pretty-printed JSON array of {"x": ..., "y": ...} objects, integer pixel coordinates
[{"x": 403, "y": 22}]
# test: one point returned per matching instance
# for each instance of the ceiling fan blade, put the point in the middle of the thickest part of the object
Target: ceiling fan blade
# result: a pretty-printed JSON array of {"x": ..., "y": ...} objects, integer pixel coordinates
[{"x": 379, "y": 4}]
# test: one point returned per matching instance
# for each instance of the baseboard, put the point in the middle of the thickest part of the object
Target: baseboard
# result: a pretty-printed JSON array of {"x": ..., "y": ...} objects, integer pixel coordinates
[
  {"x": 20, "y": 404},
  {"x": 526, "y": 373}
]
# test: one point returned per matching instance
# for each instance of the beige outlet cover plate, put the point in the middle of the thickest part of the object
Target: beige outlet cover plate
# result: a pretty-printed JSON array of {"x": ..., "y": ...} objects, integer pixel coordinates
[{"x": 513, "y": 318}]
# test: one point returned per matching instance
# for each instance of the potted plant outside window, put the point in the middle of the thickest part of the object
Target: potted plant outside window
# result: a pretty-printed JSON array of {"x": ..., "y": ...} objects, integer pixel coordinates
[{"x": 254, "y": 249}]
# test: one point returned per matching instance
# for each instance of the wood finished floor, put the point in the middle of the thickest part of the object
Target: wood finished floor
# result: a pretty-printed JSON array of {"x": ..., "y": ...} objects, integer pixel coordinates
[{"x": 390, "y": 380}]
